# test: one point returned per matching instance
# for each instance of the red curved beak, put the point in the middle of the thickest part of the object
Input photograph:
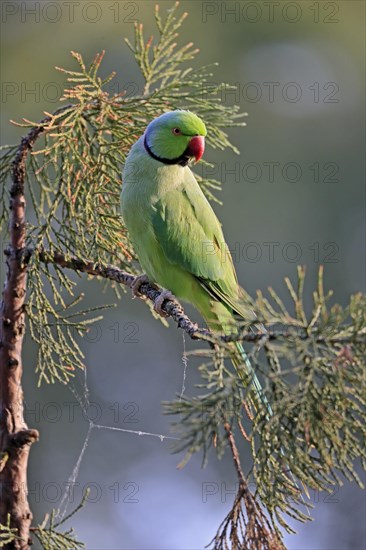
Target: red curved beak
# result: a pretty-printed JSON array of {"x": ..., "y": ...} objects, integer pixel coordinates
[{"x": 196, "y": 147}]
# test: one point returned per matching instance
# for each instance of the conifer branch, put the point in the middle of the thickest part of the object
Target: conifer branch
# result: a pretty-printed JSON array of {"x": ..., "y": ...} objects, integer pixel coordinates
[{"x": 175, "y": 310}]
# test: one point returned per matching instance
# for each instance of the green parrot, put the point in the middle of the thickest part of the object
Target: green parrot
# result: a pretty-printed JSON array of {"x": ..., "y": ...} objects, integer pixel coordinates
[{"x": 176, "y": 234}]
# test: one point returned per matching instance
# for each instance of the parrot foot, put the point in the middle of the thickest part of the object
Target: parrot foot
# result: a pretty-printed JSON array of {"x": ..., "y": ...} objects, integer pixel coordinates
[
  {"x": 164, "y": 295},
  {"x": 135, "y": 286}
]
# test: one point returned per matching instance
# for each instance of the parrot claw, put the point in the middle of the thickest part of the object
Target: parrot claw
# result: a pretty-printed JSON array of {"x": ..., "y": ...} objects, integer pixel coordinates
[
  {"x": 135, "y": 286},
  {"x": 164, "y": 295}
]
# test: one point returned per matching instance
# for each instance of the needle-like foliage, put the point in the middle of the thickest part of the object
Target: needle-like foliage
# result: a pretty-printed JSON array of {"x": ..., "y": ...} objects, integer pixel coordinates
[
  {"x": 73, "y": 177},
  {"x": 313, "y": 372}
]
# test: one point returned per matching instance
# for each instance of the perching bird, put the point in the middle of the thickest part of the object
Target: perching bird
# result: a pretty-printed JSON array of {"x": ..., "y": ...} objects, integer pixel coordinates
[{"x": 176, "y": 234}]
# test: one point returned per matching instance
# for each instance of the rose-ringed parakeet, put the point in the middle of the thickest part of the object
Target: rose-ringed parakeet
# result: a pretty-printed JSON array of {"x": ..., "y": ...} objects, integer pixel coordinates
[{"x": 176, "y": 234}]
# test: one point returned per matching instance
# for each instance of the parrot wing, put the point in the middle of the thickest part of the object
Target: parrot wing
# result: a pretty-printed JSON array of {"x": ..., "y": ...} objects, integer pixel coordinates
[{"x": 190, "y": 235}]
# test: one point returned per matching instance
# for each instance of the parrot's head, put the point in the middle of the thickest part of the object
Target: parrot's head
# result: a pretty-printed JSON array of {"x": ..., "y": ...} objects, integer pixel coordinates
[{"x": 176, "y": 137}]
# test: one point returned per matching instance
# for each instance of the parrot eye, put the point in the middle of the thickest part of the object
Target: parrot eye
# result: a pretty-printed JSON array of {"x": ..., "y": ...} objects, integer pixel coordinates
[{"x": 176, "y": 131}]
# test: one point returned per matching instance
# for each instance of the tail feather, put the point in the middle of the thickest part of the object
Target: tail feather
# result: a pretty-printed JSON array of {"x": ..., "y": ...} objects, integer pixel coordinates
[
  {"x": 258, "y": 397},
  {"x": 246, "y": 372}
]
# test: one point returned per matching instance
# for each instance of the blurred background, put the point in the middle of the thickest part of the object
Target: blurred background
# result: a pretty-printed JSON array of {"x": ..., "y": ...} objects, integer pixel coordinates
[{"x": 295, "y": 195}]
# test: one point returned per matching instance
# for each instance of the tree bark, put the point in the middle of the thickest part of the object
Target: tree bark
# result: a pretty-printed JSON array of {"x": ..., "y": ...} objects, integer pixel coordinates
[{"x": 15, "y": 436}]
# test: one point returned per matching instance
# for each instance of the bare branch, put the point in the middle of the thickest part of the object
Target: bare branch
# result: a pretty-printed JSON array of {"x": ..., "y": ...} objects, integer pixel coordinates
[
  {"x": 15, "y": 437},
  {"x": 249, "y": 528}
]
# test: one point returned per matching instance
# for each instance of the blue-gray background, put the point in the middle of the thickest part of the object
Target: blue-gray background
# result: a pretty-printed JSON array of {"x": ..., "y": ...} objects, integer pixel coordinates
[{"x": 294, "y": 195}]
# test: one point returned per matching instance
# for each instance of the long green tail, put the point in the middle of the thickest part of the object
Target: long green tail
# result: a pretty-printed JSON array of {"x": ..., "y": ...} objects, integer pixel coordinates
[
  {"x": 247, "y": 374},
  {"x": 257, "y": 397}
]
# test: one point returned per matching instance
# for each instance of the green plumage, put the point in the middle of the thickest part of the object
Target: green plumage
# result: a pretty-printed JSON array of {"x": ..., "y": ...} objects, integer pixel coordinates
[{"x": 175, "y": 232}]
